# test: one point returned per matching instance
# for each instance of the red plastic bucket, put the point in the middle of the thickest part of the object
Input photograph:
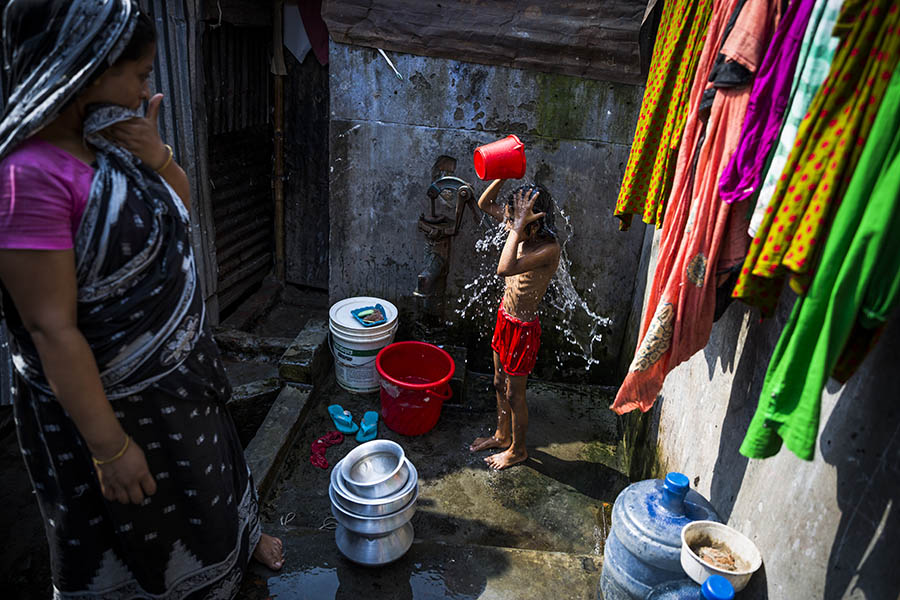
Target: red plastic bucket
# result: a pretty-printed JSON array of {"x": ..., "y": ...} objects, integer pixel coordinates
[
  {"x": 415, "y": 380},
  {"x": 503, "y": 159}
]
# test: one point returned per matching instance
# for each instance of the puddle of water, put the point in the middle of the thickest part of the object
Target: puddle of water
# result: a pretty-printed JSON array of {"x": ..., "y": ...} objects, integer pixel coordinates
[
  {"x": 307, "y": 584},
  {"x": 563, "y": 304},
  {"x": 430, "y": 583},
  {"x": 323, "y": 583}
]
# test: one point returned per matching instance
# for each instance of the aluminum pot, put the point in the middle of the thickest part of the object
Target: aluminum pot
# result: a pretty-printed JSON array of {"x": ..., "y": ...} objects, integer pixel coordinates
[
  {"x": 376, "y": 469},
  {"x": 373, "y": 552},
  {"x": 371, "y": 507},
  {"x": 371, "y": 526}
]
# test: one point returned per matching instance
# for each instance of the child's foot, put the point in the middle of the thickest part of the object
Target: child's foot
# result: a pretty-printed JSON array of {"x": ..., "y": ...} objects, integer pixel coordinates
[
  {"x": 501, "y": 460},
  {"x": 486, "y": 443},
  {"x": 269, "y": 551}
]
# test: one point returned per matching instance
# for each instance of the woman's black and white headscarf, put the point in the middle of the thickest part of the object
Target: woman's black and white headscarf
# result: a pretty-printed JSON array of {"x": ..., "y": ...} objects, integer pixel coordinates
[{"x": 51, "y": 50}]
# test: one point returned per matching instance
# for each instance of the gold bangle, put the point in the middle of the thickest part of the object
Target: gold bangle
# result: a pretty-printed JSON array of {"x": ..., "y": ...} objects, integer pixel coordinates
[
  {"x": 168, "y": 160},
  {"x": 118, "y": 455}
]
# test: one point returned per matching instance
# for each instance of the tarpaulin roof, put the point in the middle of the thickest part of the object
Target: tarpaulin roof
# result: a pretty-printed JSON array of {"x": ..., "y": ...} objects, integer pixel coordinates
[{"x": 592, "y": 39}]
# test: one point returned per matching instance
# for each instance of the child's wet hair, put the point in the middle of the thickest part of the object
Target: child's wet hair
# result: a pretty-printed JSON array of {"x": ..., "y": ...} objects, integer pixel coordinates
[{"x": 543, "y": 203}]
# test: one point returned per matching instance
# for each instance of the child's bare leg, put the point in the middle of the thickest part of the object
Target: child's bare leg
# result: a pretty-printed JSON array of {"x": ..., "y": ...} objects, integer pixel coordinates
[
  {"x": 502, "y": 435},
  {"x": 516, "y": 452}
]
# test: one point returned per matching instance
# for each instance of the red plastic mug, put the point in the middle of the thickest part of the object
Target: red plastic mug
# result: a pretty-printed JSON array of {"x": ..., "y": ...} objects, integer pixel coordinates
[{"x": 503, "y": 159}]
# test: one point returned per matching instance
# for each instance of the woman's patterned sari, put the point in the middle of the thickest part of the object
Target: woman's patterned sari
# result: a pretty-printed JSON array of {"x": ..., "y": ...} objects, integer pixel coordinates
[{"x": 142, "y": 313}]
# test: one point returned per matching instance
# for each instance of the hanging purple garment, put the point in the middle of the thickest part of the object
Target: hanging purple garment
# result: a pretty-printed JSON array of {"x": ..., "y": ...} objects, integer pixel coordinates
[{"x": 768, "y": 102}]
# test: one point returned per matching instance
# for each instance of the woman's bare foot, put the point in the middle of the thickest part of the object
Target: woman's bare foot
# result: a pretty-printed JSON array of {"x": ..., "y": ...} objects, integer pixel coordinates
[
  {"x": 486, "y": 443},
  {"x": 501, "y": 460},
  {"x": 270, "y": 552}
]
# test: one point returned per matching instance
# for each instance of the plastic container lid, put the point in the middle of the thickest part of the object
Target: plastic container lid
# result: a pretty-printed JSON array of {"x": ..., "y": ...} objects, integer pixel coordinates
[
  {"x": 717, "y": 587},
  {"x": 342, "y": 320},
  {"x": 677, "y": 483}
]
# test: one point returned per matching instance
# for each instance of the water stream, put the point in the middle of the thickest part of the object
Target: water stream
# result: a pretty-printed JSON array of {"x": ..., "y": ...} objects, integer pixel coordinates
[{"x": 563, "y": 307}]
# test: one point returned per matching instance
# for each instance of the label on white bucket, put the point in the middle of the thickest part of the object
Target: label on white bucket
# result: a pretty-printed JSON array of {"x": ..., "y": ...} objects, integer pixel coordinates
[
  {"x": 355, "y": 369},
  {"x": 355, "y": 347}
]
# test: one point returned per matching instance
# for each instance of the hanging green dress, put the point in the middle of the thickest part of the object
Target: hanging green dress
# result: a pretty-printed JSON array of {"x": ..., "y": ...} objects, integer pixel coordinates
[
  {"x": 829, "y": 142},
  {"x": 855, "y": 289}
]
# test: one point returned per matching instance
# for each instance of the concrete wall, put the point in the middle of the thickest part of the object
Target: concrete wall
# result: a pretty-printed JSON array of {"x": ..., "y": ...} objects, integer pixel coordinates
[
  {"x": 827, "y": 529},
  {"x": 387, "y": 133}
]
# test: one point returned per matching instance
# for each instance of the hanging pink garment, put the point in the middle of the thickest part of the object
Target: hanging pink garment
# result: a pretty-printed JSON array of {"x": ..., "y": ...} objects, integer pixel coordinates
[{"x": 697, "y": 224}]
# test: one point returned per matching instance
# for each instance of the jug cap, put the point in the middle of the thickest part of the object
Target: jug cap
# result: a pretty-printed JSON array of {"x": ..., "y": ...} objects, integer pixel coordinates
[
  {"x": 677, "y": 483},
  {"x": 717, "y": 587}
]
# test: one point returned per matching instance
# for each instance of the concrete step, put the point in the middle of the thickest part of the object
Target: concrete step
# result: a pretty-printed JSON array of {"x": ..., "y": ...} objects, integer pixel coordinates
[
  {"x": 249, "y": 346},
  {"x": 269, "y": 447},
  {"x": 308, "y": 358},
  {"x": 315, "y": 570}
]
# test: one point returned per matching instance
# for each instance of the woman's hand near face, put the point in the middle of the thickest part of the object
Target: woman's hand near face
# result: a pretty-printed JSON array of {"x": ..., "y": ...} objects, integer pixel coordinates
[{"x": 140, "y": 136}]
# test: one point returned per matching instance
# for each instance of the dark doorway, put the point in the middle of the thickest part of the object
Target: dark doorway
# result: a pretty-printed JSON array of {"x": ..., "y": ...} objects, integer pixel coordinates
[{"x": 239, "y": 117}]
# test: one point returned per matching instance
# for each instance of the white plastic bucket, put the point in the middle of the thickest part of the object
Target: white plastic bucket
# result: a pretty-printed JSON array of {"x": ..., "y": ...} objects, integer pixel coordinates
[{"x": 355, "y": 347}]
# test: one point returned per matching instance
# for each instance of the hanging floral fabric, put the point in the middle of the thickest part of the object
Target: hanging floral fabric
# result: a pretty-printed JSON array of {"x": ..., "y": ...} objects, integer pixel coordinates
[
  {"x": 767, "y": 103},
  {"x": 828, "y": 146},
  {"x": 812, "y": 68},
  {"x": 651, "y": 163},
  {"x": 855, "y": 289},
  {"x": 681, "y": 304}
]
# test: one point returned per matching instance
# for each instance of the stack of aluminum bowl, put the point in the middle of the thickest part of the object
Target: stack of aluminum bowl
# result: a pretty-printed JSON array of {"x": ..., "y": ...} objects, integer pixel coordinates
[{"x": 373, "y": 495}]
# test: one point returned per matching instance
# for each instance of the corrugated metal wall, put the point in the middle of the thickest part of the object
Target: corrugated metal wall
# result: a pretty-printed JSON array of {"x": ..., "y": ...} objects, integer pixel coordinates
[
  {"x": 238, "y": 103},
  {"x": 182, "y": 120}
]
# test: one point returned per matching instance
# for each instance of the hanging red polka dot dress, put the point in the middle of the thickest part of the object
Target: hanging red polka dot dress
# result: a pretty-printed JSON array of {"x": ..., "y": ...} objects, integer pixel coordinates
[
  {"x": 829, "y": 143},
  {"x": 651, "y": 164}
]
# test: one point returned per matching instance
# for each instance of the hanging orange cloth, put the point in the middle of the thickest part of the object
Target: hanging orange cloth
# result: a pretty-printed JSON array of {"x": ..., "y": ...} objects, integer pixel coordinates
[
  {"x": 648, "y": 176},
  {"x": 697, "y": 225},
  {"x": 829, "y": 142}
]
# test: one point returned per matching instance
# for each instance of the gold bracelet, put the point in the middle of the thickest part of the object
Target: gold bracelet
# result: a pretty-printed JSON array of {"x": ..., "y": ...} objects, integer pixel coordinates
[
  {"x": 168, "y": 160},
  {"x": 118, "y": 455}
]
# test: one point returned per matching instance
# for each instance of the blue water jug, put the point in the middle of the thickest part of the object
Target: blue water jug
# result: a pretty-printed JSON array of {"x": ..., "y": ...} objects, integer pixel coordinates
[
  {"x": 715, "y": 587},
  {"x": 643, "y": 548}
]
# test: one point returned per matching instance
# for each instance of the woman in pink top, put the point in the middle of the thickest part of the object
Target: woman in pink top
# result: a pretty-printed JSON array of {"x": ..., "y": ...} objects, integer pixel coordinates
[{"x": 120, "y": 392}]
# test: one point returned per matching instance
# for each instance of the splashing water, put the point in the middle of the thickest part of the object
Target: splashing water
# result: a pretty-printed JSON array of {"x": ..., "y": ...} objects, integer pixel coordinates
[{"x": 563, "y": 304}]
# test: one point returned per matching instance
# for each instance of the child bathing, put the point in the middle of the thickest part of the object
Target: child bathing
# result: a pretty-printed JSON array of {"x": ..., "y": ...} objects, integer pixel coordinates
[{"x": 528, "y": 261}]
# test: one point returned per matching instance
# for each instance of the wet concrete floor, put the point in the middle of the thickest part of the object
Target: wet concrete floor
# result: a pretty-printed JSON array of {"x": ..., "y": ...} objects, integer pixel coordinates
[
  {"x": 429, "y": 570},
  {"x": 532, "y": 531}
]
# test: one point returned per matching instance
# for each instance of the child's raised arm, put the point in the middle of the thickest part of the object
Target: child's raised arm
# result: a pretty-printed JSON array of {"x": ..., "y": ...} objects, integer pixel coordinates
[{"x": 487, "y": 201}]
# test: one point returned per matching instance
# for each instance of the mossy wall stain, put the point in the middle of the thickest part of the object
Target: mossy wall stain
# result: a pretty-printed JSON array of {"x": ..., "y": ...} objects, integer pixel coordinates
[
  {"x": 639, "y": 452},
  {"x": 560, "y": 105}
]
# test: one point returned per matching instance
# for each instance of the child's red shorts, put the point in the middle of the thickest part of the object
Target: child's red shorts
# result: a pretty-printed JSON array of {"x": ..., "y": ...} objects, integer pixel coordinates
[{"x": 516, "y": 343}]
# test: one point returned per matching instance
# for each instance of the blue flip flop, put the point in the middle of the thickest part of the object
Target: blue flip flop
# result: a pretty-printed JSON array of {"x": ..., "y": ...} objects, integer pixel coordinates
[
  {"x": 342, "y": 419},
  {"x": 368, "y": 427}
]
